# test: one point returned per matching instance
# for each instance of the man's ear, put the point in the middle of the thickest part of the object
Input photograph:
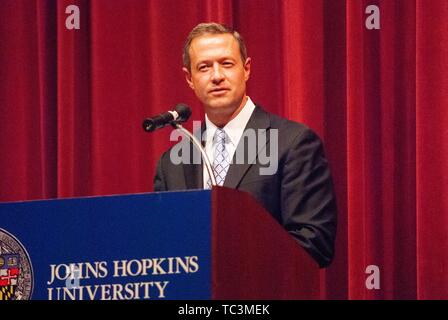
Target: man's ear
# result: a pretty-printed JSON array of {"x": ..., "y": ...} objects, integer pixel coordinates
[
  {"x": 188, "y": 77},
  {"x": 247, "y": 68}
]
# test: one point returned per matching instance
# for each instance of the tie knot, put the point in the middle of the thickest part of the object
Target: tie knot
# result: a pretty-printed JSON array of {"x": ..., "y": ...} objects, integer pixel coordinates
[{"x": 220, "y": 136}]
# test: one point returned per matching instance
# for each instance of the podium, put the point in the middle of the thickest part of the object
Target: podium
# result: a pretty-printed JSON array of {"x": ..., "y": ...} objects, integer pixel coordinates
[{"x": 189, "y": 245}]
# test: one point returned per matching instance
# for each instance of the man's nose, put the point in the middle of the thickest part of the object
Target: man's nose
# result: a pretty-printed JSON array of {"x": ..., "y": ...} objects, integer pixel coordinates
[{"x": 217, "y": 75}]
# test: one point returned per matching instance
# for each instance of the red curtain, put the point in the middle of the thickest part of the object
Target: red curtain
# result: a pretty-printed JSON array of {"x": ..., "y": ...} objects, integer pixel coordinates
[{"x": 72, "y": 103}]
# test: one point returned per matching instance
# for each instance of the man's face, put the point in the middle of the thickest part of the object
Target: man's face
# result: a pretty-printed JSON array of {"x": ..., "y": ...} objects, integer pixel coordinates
[{"x": 218, "y": 75}]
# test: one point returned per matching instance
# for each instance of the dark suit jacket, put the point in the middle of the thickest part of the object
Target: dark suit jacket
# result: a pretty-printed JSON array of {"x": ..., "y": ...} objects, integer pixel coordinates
[{"x": 299, "y": 195}]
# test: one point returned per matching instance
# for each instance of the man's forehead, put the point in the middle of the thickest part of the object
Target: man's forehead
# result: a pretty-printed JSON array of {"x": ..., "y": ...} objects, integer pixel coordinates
[{"x": 210, "y": 43}]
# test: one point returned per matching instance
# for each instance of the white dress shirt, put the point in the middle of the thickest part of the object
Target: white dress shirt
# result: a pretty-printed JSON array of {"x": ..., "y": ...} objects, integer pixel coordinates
[{"x": 234, "y": 130}]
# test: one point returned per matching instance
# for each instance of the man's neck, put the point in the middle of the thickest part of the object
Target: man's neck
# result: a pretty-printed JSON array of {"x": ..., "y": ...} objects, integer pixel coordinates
[{"x": 220, "y": 119}]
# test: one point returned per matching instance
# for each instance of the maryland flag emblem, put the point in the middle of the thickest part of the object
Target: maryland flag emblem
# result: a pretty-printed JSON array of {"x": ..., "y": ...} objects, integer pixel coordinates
[
  {"x": 16, "y": 281},
  {"x": 9, "y": 274}
]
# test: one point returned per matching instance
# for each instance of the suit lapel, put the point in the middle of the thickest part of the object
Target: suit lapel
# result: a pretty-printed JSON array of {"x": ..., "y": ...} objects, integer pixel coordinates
[{"x": 258, "y": 121}]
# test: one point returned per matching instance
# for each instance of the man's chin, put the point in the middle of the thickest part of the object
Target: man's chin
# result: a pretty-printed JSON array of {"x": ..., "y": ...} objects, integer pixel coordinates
[{"x": 219, "y": 106}]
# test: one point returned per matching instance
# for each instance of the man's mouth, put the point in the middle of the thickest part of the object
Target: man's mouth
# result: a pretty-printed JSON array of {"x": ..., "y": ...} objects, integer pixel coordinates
[{"x": 219, "y": 91}]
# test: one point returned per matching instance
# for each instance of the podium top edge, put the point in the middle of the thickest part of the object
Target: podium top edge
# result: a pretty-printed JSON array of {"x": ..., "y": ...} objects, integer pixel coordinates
[{"x": 116, "y": 195}]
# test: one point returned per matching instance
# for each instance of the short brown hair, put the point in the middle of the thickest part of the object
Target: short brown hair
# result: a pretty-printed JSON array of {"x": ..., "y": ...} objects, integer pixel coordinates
[{"x": 211, "y": 28}]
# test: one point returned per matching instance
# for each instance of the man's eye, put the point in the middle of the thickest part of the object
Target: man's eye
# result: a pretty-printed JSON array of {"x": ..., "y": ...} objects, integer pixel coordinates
[
  {"x": 228, "y": 64},
  {"x": 203, "y": 68}
]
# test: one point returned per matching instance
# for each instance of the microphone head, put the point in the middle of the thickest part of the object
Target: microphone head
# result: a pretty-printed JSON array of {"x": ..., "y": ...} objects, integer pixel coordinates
[
  {"x": 183, "y": 111},
  {"x": 163, "y": 119},
  {"x": 149, "y": 125}
]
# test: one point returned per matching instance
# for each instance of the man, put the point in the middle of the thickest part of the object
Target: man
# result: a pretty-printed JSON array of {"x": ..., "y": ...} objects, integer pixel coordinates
[{"x": 299, "y": 194}]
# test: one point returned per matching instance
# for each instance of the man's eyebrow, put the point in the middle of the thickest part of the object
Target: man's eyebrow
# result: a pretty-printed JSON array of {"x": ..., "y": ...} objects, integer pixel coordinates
[
  {"x": 202, "y": 61},
  {"x": 220, "y": 59},
  {"x": 228, "y": 58}
]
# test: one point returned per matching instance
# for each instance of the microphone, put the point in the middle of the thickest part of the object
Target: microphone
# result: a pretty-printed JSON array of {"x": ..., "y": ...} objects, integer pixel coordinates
[{"x": 181, "y": 113}]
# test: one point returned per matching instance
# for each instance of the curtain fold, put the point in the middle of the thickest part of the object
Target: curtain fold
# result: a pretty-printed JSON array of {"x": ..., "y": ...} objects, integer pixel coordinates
[
  {"x": 72, "y": 103},
  {"x": 432, "y": 149}
]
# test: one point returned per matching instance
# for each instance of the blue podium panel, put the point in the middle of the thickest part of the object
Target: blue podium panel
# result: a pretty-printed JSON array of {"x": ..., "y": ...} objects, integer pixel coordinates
[{"x": 144, "y": 246}]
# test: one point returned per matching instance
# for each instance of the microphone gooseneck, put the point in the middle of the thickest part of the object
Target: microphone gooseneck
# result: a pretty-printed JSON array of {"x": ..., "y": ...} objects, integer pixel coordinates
[{"x": 198, "y": 145}]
